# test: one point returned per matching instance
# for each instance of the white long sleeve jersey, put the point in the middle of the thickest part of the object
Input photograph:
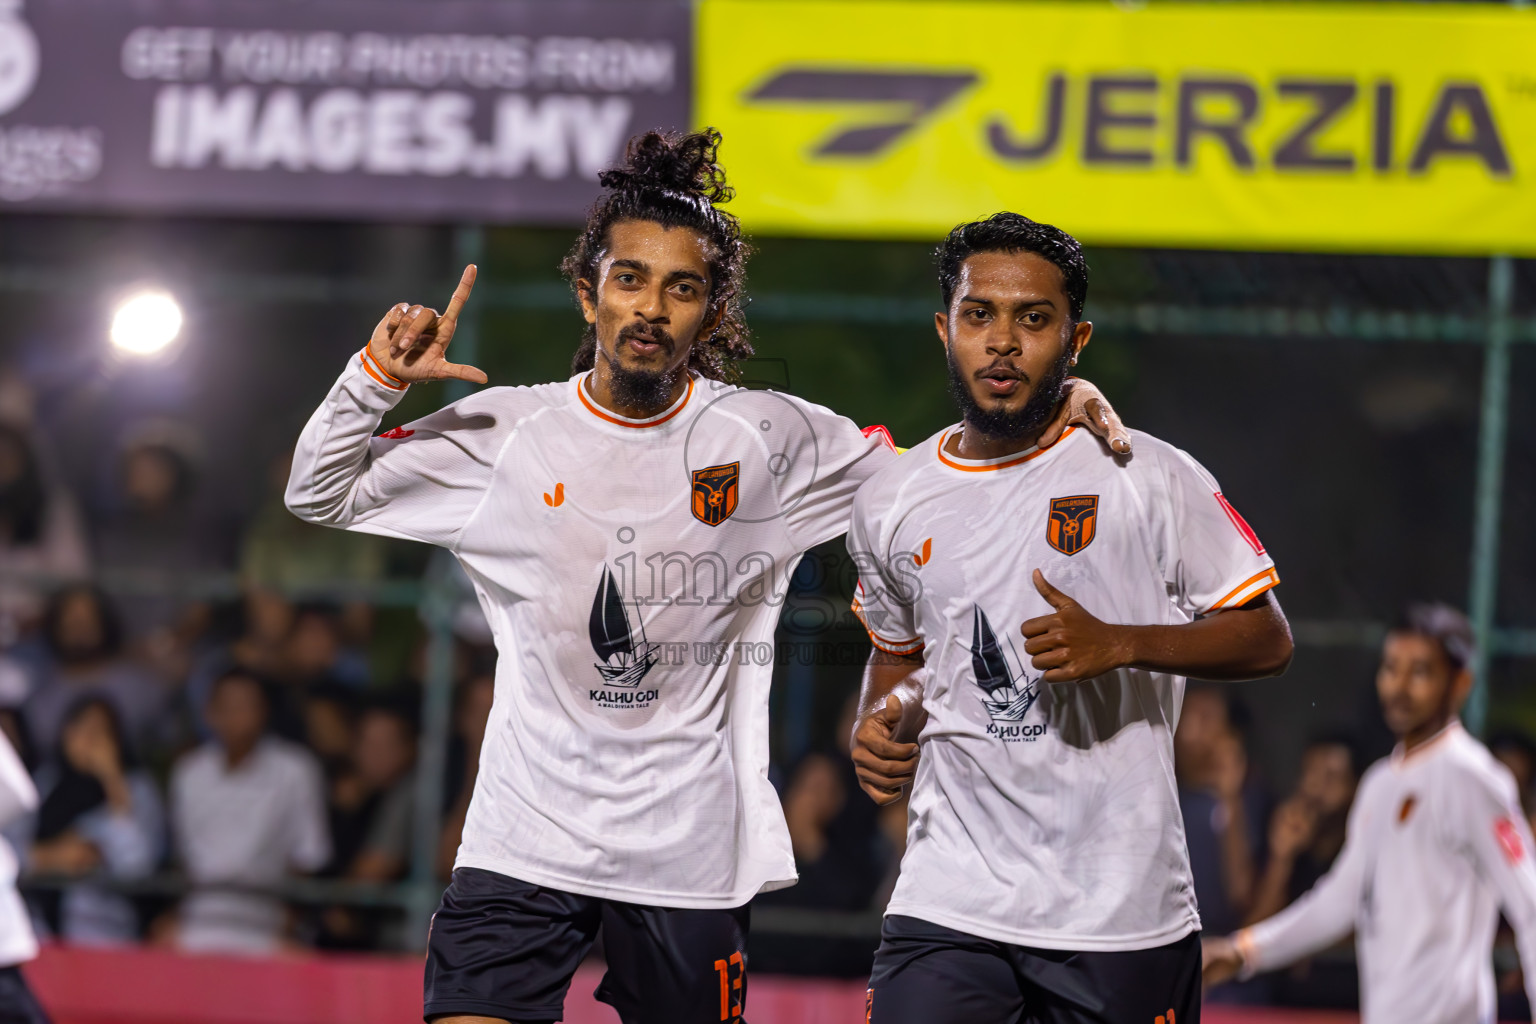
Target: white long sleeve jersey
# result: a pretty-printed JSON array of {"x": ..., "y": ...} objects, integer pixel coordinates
[
  {"x": 632, "y": 573},
  {"x": 18, "y": 796},
  {"x": 1436, "y": 845}
]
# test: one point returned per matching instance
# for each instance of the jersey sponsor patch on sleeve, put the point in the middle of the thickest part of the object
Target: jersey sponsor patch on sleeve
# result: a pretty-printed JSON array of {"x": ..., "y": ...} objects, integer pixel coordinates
[
  {"x": 1509, "y": 840},
  {"x": 396, "y": 434},
  {"x": 1241, "y": 524},
  {"x": 879, "y": 432}
]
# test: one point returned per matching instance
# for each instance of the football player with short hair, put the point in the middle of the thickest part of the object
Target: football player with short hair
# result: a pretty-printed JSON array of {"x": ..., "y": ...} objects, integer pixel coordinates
[
  {"x": 1436, "y": 846},
  {"x": 1035, "y": 606}
]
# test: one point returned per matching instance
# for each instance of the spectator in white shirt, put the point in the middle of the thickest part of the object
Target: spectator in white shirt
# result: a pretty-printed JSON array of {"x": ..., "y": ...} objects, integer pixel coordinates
[{"x": 248, "y": 810}]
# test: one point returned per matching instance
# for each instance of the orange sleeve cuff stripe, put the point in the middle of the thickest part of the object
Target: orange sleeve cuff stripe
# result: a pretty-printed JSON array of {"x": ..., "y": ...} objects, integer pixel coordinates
[
  {"x": 911, "y": 646},
  {"x": 1249, "y": 589},
  {"x": 378, "y": 372},
  {"x": 893, "y": 650}
]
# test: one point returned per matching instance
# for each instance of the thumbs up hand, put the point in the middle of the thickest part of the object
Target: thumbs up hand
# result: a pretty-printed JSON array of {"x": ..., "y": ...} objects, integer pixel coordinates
[{"x": 1070, "y": 644}]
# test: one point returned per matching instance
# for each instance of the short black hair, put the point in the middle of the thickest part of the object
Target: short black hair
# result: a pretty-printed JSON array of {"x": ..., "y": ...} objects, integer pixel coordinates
[
  {"x": 1014, "y": 232},
  {"x": 1445, "y": 625},
  {"x": 91, "y": 701},
  {"x": 110, "y": 621},
  {"x": 674, "y": 180}
]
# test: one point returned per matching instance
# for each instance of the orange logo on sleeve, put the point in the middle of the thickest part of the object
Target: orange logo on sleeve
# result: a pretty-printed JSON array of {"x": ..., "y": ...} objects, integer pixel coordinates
[
  {"x": 559, "y": 496},
  {"x": 927, "y": 553}
]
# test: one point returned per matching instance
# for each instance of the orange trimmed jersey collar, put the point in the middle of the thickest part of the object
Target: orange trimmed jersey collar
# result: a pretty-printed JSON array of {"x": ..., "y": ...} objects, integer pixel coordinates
[
  {"x": 624, "y": 421},
  {"x": 987, "y": 465}
]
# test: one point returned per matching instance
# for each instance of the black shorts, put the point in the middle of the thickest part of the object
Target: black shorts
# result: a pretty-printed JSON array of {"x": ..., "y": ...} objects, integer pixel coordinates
[
  {"x": 17, "y": 1003},
  {"x": 504, "y": 948},
  {"x": 928, "y": 974}
]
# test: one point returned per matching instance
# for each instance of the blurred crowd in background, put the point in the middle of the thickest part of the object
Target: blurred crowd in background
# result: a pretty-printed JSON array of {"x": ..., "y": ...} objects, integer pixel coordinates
[
  {"x": 237, "y": 738},
  {"x": 250, "y": 735}
]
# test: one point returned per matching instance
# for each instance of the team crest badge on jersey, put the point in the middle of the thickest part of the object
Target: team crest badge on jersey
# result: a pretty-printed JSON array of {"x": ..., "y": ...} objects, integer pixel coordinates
[
  {"x": 714, "y": 493},
  {"x": 1008, "y": 697},
  {"x": 1070, "y": 527}
]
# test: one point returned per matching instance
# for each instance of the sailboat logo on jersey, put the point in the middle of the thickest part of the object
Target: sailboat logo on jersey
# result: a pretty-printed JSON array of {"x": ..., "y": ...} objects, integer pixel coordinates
[
  {"x": 1008, "y": 697},
  {"x": 627, "y": 656},
  {"x": 1069, "y": 527},
  {"x": 714, "y": 492}
]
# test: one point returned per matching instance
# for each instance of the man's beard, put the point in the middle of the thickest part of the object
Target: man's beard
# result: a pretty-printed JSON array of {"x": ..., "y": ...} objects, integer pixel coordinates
[
  {"x": 643, "y": 389},
  {"x": 1003, "y": 424}
]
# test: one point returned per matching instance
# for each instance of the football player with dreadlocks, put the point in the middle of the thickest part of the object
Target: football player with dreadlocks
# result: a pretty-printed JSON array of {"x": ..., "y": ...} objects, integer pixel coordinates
[{"x": 615, "y": 525}]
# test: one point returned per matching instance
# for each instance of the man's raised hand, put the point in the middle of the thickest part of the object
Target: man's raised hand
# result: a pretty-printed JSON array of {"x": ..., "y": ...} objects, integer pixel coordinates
[
  {"x": 1070, "y": 643},
  {"x": 410, "y": 342}
]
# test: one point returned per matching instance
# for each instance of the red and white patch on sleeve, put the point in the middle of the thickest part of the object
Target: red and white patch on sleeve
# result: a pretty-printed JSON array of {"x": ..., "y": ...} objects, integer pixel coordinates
[
  {"x": 1241, "y": 524},
  {"x": 396, "y": 434},
  {"x": 1509, "y": 839},
  {"x": 879, "y": 433}
]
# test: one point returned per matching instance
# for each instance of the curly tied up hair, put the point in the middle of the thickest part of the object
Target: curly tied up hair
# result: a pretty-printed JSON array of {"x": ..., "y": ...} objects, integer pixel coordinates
[
  {"x": 1014, "y": 232},
  {"x": 674, "y": 180}
]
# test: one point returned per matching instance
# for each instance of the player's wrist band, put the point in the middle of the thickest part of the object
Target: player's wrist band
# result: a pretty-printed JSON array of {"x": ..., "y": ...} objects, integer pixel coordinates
[{"x": 378, "y": 373}]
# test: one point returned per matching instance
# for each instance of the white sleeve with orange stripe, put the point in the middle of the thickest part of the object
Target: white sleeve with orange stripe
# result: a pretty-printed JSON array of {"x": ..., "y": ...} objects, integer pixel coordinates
[
  {"x": 1211, "y": 557},
  {"x": 883, "y": 597},
  {"x": 420, "y": 482}
]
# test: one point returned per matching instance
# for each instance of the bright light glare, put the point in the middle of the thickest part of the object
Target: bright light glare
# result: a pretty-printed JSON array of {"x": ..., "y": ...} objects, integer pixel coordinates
[{"x": 146, "y": 323}]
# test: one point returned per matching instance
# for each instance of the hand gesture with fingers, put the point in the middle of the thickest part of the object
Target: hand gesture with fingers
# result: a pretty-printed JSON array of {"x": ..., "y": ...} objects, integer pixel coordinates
[
  {"x": 1070, "y": 643},
  {"x": 1086, "y": 406},
  {"x": 410, "y": 342},
  {"x": 884, "y": 767}
]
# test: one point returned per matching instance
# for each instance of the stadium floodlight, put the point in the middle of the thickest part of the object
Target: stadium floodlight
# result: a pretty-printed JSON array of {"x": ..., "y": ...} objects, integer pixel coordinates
[{"x": 146, "y": 322}]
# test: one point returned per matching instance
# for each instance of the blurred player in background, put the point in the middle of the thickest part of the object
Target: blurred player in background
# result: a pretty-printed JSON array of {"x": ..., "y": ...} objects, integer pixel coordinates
[
  {"x": 1436, "y": 845},
  {"x": 614, "y": 525},
  {"x": 18, "y": 796},
  {"x": 1046, "y": 876}
]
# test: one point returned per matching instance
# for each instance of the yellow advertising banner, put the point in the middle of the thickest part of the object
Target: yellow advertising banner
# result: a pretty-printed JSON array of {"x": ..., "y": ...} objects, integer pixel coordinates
[{"x": 1358, "y": 127}]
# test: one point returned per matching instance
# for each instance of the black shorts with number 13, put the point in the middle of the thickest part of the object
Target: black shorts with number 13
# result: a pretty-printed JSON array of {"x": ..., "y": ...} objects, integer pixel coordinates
[{"x": 500, "y": 947}]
